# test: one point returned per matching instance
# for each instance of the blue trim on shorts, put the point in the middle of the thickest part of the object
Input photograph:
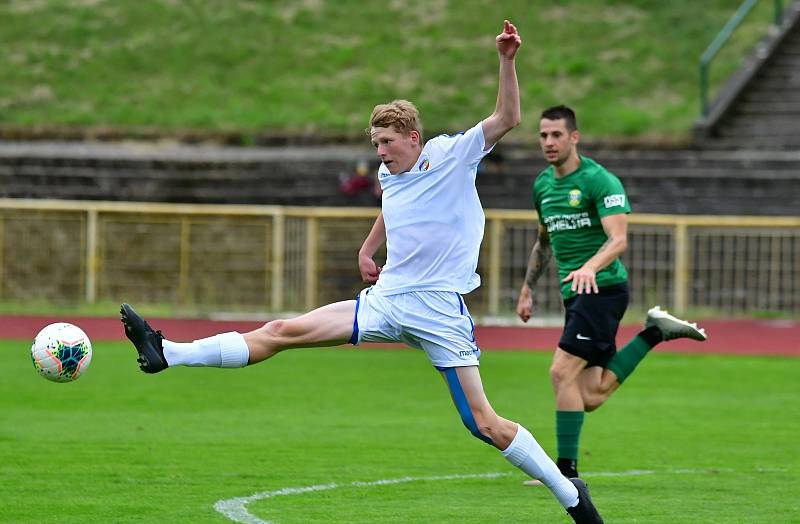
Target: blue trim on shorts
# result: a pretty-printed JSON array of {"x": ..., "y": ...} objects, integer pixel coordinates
[
  {"x": 460, "y": 400},
  {"x": 471, "y": 323},
  {"x": 354, "y": 336}
]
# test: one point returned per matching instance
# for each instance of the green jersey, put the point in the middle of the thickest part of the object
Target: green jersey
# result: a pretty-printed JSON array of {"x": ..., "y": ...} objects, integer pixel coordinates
[{"x": 571, "y": 208}]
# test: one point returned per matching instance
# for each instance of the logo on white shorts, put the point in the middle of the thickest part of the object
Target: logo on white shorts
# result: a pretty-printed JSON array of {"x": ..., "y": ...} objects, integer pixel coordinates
[{"x": 581, "y": 337}]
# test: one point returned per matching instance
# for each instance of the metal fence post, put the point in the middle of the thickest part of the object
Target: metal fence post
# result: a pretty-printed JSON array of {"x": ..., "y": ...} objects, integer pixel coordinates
[
  {"x": 91, "y": 256},
  {"x": 183, "y": 271},
  {"x": 495, "y": 247},
  {"x": 681, "y": 276},
  {"x": 312, "y": 262},
  {"x": 278, "y": 257}
]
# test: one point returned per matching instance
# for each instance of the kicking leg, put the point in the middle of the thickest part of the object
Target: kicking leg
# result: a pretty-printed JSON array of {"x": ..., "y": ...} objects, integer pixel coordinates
[
  {"x": 659, "y": 326},
  {"x": 331, "y": 325},
  {"x": 326, "y": 326},
  {"x": 597, "y": 384},
  {"x": 514, "y": 441}
]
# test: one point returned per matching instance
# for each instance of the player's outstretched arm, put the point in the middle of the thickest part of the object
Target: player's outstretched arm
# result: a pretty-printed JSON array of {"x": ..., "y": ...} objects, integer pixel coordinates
[
  {"x": 507, "y": 112},
  {"x": 366, "y": 265}
]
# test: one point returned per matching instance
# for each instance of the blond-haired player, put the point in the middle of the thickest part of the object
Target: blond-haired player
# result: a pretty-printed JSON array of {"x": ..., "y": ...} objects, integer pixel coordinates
[{"x": 432, "y": 223}]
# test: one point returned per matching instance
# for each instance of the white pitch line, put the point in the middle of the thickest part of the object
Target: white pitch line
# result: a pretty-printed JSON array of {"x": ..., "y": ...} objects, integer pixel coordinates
[
  {"x": 236, "y": 508},
  {"x": 679, "y": 471}
]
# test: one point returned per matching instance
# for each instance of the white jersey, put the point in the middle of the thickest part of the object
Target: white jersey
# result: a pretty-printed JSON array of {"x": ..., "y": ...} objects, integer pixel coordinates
[{"x": 434, "y": 219}]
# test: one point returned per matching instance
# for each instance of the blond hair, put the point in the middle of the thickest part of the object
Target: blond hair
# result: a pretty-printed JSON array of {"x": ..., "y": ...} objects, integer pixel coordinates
[{"x": 400, "y": 115}]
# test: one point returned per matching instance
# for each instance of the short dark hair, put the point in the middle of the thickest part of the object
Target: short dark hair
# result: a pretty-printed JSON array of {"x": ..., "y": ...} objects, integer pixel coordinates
[{"x": 559, "y": 112}]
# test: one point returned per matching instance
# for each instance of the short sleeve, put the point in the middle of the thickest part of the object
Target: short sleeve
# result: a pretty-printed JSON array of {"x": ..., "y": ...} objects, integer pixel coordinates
[
  {"x": 610, "y": 197},
  {"x": 536, "y": 205},
  {"x": 467, "y": 145}
]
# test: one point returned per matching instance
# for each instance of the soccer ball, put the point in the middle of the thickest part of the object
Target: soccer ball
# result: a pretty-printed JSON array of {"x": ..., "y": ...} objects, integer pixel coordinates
[{"x": 61, "y": 352}]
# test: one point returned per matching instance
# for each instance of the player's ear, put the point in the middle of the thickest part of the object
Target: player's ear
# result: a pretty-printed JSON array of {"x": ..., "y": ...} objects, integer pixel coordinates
[
  {"x": 414, "y": 135},
  {"x": 575, "y": 136}
]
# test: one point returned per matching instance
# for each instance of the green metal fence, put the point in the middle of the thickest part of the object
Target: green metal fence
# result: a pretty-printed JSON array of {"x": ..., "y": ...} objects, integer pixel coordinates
[{"x": 722, "y": 38}]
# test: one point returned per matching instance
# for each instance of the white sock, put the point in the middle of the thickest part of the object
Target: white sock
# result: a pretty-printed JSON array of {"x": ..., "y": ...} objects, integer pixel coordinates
[
  {"x": 525, "y": 453},
  {"x": 226, "y": 350}
]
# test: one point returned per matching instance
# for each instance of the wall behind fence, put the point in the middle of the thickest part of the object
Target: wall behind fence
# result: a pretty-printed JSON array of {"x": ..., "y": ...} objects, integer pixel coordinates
[{"x": 274, "y": 259}]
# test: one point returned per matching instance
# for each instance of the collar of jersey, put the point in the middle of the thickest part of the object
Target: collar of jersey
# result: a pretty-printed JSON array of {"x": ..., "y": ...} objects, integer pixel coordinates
[
  {"x": 423, "y": 156},
  {"x": 581, "y": 167}
]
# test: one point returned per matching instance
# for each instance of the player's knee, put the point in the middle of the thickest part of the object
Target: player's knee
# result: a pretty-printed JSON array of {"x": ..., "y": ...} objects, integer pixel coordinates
[
  {"x": 280, "y": 328},
  {"x": 273, "y": 328},
  {"x": 559, "y": 377},
  {"x": 276, "y": 335}
]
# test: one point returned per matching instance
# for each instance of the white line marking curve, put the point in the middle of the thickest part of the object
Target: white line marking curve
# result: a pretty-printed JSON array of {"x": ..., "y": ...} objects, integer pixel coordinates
[{"x": 235, "y": 509}]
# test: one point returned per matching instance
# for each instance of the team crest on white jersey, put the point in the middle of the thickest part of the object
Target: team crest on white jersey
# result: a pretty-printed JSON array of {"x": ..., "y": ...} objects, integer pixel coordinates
[
  {"x": 424, "y": 165},
  {"x": 575, "y": 197}
]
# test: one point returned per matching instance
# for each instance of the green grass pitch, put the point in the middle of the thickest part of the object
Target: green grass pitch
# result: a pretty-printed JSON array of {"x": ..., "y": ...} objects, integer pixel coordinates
[{"x": 713, "y": 439}]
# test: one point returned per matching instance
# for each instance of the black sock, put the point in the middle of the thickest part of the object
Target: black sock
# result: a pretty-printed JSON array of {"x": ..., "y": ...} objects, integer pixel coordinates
[
  {"x": 568, "y": 467},
  {"x": 652, "y": 335}
]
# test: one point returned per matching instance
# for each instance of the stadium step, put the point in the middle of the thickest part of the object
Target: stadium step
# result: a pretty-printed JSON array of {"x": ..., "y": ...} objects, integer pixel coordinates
[
  {"x": 766, "y": 113},
  {"x": 761, "y": 106}
]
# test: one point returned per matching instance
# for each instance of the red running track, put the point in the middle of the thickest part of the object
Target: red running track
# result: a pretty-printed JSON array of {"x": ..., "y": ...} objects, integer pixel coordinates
[{"x": 741, "y": 337}]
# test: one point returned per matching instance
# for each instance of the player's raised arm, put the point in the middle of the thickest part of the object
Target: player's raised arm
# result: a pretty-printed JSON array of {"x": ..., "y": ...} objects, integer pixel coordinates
[{"x": 507, "y": 113}]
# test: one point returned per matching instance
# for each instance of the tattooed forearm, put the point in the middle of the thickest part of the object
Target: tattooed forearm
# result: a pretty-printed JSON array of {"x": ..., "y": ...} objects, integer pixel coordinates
[{"x": 537, "y": 263}]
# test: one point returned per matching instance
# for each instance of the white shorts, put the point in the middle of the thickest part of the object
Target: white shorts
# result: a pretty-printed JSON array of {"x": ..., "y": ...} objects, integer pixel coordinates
[{"x": 435, "y": 321}]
